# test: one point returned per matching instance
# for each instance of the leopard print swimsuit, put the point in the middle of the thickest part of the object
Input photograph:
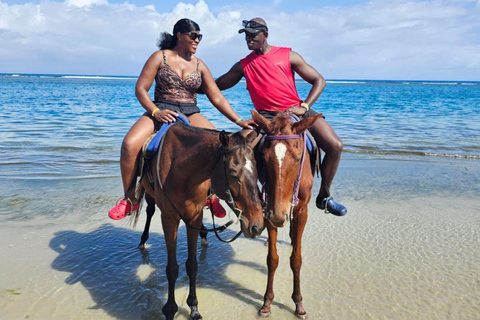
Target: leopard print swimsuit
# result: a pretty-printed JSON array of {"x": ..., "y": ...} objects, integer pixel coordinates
[{"x": 171, "y": 87}]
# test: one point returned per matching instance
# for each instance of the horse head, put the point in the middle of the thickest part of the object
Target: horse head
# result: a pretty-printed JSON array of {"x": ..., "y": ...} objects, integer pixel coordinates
[
  {"x": 282, "y": 154},
  {"x": 234, "y": 180}
]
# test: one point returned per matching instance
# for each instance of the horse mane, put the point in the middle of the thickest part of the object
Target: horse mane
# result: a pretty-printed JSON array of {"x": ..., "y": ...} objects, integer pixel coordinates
[
  {"x": 237, "y": 137},
  {"x": 279, "y": 123}
]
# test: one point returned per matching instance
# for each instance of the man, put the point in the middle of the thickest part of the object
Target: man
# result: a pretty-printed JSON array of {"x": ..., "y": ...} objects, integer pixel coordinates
[{"x": 269, "y": 72}]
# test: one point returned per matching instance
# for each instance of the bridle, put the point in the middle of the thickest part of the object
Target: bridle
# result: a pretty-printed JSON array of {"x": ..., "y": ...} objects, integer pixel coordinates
[{"x": 296, "y": 186}]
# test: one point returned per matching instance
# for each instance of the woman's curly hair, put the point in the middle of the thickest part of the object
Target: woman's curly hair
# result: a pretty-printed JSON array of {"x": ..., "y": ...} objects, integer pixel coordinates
[{"x": 169, "y": 41}]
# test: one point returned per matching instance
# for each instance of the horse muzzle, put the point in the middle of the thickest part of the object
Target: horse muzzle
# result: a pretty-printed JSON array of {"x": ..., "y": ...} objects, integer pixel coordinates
[
  {"x": 252, "y": 230},
  {"x": 277, "y": 219}
]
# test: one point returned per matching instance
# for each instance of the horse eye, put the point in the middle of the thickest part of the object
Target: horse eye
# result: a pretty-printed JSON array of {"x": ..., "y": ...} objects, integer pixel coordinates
[{"x": 237, "y": 179}]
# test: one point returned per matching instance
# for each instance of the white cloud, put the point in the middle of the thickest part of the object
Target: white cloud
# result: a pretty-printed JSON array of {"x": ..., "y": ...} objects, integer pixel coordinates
[{"x": 381, "y": 39}]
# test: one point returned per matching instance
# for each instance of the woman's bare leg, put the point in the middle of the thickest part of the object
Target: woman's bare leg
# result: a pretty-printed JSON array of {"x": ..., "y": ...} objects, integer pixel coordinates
[
  {"x": 131, "y": 146},
  {"x": 200, "y": 121}
]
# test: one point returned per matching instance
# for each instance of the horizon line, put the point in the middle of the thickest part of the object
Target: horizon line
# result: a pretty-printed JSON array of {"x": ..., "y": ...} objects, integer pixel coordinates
[{"x": 296, "y": 79}]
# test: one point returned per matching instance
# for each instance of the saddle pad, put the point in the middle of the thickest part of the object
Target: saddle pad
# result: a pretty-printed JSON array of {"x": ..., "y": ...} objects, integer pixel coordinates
[{"x": 151, "y": 145}]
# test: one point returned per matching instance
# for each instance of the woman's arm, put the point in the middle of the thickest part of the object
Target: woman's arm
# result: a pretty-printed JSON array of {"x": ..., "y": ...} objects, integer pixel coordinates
[
  {"x": 210, "y": 88},
  {"x": 145, "y": 81}
]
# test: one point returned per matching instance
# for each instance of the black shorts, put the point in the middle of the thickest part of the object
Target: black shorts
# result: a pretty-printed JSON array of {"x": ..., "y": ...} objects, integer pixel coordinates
[{"x": 186, "y": 108}]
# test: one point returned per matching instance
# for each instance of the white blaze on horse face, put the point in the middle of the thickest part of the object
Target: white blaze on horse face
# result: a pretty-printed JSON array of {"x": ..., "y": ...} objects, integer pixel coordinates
[
  {"x": 248, "y": 165},
  {"x": 280, "y": 151}
]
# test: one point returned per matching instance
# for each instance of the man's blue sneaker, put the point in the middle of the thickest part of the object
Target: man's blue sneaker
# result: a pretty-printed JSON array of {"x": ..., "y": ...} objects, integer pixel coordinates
[{"x": 329, "y": 205}]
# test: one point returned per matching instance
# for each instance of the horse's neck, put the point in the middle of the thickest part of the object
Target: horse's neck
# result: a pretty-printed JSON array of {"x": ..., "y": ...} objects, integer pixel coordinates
[{"x": 199, "y": 152}]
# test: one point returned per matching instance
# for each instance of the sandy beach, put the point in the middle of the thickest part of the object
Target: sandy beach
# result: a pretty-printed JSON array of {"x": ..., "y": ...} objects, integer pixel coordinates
[{"x": 412, "y": 254}]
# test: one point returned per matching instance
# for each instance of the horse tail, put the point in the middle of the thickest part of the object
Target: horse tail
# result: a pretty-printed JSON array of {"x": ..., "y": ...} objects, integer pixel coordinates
[
  {"x": 139, "y": 194},
  {"x": 137, "y": 188}
]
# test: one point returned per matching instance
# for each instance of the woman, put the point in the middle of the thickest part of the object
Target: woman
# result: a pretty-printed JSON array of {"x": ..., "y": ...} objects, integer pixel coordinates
[{"x": 178, "y": 74}]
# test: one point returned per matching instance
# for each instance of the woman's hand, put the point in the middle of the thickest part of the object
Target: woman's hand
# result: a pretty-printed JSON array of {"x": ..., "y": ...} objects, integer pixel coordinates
[
  {"x": 165, "y": 116},
  {"x": 246, "y": 124},
  {"x": 299, "y": 111}
]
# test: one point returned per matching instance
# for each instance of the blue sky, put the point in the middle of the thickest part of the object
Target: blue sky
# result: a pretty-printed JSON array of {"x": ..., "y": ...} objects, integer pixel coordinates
[{"x": 388, "y": 39}]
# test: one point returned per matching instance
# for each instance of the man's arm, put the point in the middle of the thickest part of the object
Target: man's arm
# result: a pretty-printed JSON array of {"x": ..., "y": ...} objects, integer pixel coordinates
[
  {"x": 231, "y": 78},
  {"x": 309, "y": 74}
]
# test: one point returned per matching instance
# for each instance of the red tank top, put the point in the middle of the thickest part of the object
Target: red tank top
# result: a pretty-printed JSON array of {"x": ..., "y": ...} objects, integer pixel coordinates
[{"x": 270, "y": 80}]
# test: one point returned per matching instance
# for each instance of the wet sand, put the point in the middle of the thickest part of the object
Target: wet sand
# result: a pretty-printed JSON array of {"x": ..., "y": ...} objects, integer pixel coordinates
[{"x": 412, "y": 254}]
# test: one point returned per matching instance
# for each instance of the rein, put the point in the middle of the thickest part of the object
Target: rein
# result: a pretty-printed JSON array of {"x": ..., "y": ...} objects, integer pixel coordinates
[{"x": 230, "y": 201}]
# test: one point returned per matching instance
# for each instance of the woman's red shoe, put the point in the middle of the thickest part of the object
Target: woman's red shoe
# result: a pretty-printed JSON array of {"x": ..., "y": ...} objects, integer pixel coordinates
[
  {"x": 122, "y": 209},
  {"x": 216, "y": 207}
]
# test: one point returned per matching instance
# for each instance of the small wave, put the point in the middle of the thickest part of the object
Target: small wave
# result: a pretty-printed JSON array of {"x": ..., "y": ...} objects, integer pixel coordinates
[
  {"x": 52, "y": 177},
  {"x": 98, "y": 77},
  {"x": 441, "y": 83},
  {"x": 415, "y": 153},
  {"x": 345, "y": 81}
]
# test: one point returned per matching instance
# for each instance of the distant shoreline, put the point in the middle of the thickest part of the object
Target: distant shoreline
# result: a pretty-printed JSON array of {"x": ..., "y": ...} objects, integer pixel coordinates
[{"x": 339, "y": 81}]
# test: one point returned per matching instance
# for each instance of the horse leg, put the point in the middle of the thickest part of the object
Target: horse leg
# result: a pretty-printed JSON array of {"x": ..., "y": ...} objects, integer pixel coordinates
[
  {"x": 150, "y": 212},
  {"x": 192, "y": 267},
  {"x": 272, "y": 264},
  {"x": 203, "y": 235},
  {"x": 170, "y": 229},
  {"x": 297, "y": 226}
]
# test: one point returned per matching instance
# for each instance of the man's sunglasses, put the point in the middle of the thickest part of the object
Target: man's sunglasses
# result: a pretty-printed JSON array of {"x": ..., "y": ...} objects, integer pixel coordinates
[
  {"x": 193, "y": 36},
  {"x": 253, "y": 24}
]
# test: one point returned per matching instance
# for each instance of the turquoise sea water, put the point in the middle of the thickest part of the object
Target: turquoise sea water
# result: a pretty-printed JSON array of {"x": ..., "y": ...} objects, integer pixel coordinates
[{"x": 60, "y": 135}]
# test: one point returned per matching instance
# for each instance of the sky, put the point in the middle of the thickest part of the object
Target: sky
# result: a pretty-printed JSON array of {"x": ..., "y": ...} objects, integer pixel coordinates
[{"x": 376, "y": 40}]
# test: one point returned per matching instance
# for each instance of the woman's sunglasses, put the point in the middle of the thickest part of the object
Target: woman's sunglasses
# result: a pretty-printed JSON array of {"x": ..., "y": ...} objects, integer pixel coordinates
[
  {"x": 193, "y": 36},
  {"x": 252, "y": 24}
]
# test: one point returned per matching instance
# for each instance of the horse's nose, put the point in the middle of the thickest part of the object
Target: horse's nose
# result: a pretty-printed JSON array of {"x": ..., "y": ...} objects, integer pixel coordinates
[
  {"x": 277, "y": 220},
  {"x": 255, "y": 230}
]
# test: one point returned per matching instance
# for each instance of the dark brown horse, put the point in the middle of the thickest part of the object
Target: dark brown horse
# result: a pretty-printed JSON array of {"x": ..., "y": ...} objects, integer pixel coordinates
[
  {"x": 189, "y": 159},
  {"x": 289, "y": 181}
]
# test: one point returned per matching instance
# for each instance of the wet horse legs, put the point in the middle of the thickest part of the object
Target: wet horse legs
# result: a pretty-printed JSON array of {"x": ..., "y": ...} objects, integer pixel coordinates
[
  {"x": 272, "y": 264},
  {"x": 170, "y": 229},
  {"x": 150, "y": 212},
  {"x": 192, "y": 267},
  {"x": 297, "y": 226}
]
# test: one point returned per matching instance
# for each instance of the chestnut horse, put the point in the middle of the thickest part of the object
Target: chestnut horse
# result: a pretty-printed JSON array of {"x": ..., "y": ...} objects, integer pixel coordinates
[
  {"x": 289, "y": 181},
  {"x": 181, "y": 171}
]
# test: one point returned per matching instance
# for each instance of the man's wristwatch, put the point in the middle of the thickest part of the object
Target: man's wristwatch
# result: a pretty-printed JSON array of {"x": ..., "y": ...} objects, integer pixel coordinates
[{"x": 305, "y": 105}]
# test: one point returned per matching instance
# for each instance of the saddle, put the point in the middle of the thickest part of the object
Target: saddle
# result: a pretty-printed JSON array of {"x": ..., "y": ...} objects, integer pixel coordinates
[{"x": 152, "y": 144}]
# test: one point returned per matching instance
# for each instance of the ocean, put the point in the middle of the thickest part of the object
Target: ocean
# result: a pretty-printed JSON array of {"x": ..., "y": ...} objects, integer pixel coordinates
[
  {"x": 60, "y": 135},
  {"x": 408, "y": 248}
]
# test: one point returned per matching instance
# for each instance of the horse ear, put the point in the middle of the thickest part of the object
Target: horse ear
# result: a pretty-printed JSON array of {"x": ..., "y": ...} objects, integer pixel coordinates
[
  {"x": 251, "y": 136},
  {"x": 262, "y": 122},
  {"x": 302, "y": 125},
  {"x": 225, "y": 139}
]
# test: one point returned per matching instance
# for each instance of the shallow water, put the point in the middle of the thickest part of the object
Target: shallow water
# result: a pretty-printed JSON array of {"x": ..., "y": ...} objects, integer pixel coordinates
[{"x": 387, "y": 259}]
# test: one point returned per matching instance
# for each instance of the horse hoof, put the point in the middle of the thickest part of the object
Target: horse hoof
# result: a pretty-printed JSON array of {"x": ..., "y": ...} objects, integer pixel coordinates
[
  {"x": 303, "y": 315},
  {"x": 141, "y": 246},
  {"x": 195, "y": 316},
  {"x": 264, "y": 312}
]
